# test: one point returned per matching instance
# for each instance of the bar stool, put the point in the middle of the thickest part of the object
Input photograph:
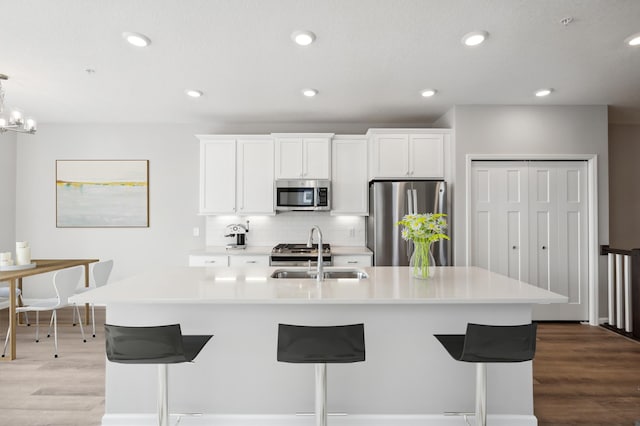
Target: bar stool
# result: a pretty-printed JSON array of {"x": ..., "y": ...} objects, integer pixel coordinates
[
  {"x": 321, "y": 345},
  {"x": 490, "y": 343},
  {"x": 161, "y": 345}
]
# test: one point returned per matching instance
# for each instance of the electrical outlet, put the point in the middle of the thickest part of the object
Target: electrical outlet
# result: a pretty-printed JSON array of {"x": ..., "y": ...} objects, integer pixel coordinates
[{"x": 196, "y": 232}]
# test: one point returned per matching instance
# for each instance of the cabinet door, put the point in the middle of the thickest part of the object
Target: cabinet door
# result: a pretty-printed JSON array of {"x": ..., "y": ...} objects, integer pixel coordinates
[
  {"x": 217, "y": 176},
  {"x": 391, "y": 156},
  {"x": 255, "y": 176},
  {"x": 288, "y": 158},
  {"x": 214, "y": 261},
  {"x": 244, "y": 260},
  {"x": 316, "y": 158},
  {"x": 349, "y": 183},
  {"x": 426, "y": 156},
  {"x": 352, "y": 260}
]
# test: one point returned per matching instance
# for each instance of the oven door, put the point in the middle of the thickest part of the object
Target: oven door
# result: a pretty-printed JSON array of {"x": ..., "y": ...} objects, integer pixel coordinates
[{"x": 310, "y": 261}]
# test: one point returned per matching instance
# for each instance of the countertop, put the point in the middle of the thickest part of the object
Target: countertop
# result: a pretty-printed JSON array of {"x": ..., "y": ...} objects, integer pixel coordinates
[
  {"x": 253, "y": 285},
  {"x": 266, "y": 250}
]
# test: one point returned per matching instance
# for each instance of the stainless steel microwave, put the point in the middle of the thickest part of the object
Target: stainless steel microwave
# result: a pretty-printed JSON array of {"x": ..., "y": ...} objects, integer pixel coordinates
[{"x": 303, "y": 195}]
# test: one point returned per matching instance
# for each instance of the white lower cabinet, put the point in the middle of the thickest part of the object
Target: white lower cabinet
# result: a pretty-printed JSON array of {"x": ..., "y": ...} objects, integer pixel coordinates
[
  {"x": 222, "y": 260},
  {"x": 209, "y": 260},
  {"x": 242, "y": 260},
  {"x": 351, "y": 260}
]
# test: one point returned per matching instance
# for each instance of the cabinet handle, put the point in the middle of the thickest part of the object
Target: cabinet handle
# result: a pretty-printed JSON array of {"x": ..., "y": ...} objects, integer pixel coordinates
[
  {"x": 209, "y": 261},
  {"x": 352, "y": 261},
  {"x": 544, "y": 247},
  {"x": 250, "y": 261},
  {"x": 514, "y": 247}
]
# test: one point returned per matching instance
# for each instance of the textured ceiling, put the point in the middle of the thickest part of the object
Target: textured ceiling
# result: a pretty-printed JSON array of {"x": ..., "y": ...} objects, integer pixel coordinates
[{"x": 369, "y": 62}]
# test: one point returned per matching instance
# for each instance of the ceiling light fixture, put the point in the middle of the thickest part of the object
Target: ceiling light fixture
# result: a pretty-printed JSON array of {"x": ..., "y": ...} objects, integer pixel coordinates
[
  {"x": 136, "y": 39},
  {"x": 15, "y": 122},
  {"x": 474, "y": 38},
  {"x": 309, "y": 93},
  {"x": 543, "y": 92},
  {"x": 633, "y": 40},
  {"x": 303, "y": 37},
  {"x": 427, "y": 93},
  {"x": 193, "y": 93}
]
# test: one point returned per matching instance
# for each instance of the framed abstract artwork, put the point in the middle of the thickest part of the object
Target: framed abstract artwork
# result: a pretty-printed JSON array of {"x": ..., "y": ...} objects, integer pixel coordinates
[{"x": 102, "y": 193}]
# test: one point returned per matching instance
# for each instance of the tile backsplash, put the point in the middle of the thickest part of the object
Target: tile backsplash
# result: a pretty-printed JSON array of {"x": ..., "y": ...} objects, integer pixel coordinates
[{"x": 289, "y": 227}]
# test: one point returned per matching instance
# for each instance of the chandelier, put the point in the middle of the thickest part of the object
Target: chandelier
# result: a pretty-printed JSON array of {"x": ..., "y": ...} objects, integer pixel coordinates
[{"x": 14, "y": 121}]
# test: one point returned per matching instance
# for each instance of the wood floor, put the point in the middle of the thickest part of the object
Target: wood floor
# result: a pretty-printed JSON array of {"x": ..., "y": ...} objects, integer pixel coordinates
[{"x": 582, "y": 376}]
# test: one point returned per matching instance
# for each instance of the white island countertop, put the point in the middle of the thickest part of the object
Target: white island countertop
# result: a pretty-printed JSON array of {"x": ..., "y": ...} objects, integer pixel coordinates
[{"x": 384, "y": 285}]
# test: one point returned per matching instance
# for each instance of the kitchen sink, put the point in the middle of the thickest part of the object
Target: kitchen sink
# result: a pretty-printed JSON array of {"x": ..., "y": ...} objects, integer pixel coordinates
[{"x": 330, "y": 274}]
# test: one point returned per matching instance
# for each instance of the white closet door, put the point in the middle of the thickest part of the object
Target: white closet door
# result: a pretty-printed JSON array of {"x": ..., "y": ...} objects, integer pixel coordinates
[
  {"x": 529, "y": 222},
  {"x": 559, "y": 236},
  {"x": 500, "y": 216}
]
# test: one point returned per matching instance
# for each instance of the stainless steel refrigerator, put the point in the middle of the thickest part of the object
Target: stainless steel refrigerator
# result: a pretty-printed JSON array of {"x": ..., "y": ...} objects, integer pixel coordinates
[{"x": 389, "y": 201}]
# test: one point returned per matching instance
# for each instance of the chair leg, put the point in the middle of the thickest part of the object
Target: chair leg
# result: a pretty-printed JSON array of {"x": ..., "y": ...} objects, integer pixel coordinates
[
  {"x": 37, "y": 326},
  {"x": 481, "y": 394},
  {"x": 76, "y": 310},
  {"x": 73, "y": 317},
  {"x": 163, "y": 395},
  {"x": 54, "y": 318},
  {"x": 50, "y": 324},
  {"x": 321, "y": 394},
  {"x": 93, "y": 318},
  {"x": 26, "y": 314},
  {"x": 6, "y": 342}
]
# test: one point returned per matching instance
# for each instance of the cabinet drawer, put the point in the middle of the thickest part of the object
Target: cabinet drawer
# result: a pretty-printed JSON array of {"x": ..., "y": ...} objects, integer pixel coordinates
[
  {"x": 209, "y": 260},
  {"x": 241, "y": 260},
  {"x": 352, "y": 260}
]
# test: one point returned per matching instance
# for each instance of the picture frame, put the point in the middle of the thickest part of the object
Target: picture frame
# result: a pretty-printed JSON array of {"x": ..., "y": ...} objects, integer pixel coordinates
[{"x": 102, "y": 193}]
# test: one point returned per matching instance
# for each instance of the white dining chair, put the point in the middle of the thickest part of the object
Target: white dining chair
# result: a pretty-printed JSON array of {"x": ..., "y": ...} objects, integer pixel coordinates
[
  {"x": 64, "y": 283},
  {"x": 99, "y": 277}
]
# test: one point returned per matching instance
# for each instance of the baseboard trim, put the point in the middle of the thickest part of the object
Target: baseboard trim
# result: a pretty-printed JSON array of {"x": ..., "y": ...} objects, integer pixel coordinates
[{"x": 293, "y": 420}]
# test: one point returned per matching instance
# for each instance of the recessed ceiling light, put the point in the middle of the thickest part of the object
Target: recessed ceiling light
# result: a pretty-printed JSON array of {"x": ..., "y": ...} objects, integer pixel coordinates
[
  {"x": 427, "y": 93},
  {"x": 136, "y": 39},
  {"x": 633, "y": 40},
  {"x": 474, "y": 38},
  {"x": 309, "y": 93},
  {"x": 303, "y": 37},
  {"x": 193, "y": 93},
  {"x": 543, "y": 92}
]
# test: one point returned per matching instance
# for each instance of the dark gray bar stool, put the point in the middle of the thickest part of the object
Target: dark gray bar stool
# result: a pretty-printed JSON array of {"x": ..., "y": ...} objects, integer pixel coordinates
[
  {"x": 490, "y": 343},
  {"x": 321, "y": 345},
  {"x": 160, "y": 345}
]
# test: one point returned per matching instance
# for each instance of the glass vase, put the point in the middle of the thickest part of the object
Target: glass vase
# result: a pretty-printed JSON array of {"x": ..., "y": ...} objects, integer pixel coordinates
[{"x": 421, "y": 260}]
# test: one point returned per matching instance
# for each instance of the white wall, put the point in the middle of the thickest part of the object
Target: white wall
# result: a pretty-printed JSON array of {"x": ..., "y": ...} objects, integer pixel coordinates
[
  {"x": 531, "y": 130},
  {"x": 8, "y": 191}
]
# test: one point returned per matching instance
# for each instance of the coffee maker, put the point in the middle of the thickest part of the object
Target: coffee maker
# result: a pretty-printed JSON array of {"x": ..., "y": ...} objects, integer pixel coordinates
[{"x": 239, "y": 231}]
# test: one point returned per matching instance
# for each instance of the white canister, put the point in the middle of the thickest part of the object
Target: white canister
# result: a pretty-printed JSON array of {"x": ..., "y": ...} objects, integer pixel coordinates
[
  {"x": 8, "y": 262},
  {"x": 5, "y": 255},
  {"x": 23, "y": 253}
]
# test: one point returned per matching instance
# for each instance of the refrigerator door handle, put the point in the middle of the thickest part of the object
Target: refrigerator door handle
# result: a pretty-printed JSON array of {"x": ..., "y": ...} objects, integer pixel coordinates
[
  {"x": 415, "y": 201},
  {"x": 410, "y": 207}
]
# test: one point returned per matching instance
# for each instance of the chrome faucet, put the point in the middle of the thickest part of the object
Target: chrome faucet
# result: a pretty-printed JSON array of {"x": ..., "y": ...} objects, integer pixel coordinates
[{"x": 310, "y": 244}]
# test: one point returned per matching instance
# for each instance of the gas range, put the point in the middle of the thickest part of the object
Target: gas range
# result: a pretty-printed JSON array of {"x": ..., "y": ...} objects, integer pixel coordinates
[{"x": 299, "y": 255}]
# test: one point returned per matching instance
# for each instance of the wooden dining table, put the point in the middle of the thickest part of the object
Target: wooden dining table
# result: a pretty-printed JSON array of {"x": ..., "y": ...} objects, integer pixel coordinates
[{"x": 14, "y": 277}]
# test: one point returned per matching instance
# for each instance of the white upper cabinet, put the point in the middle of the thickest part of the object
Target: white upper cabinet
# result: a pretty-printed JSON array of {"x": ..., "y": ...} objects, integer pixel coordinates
[
  {"x": 302, "y": 156},
  {"x": 236, "y": 175},
  {"x": 217, "y": 176},
  {"x": 407, "y": 155},
  {"x": 255, "y": 176},
  {"x": 349, "y": 177}
]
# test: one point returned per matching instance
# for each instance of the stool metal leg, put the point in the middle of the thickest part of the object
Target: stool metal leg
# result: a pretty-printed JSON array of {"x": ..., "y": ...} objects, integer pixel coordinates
[
  {"x": 481, "y": 394},
  {"x": 163, "y": 395},
  {"x": 321, "y": 394}
]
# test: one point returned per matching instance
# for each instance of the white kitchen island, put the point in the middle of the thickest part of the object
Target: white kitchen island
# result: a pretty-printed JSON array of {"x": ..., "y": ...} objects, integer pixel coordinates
[{"x": 407, "y": 378}]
